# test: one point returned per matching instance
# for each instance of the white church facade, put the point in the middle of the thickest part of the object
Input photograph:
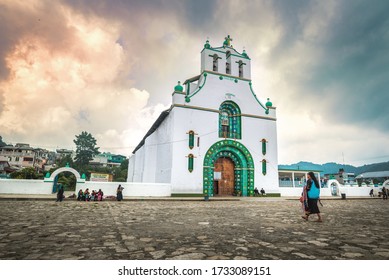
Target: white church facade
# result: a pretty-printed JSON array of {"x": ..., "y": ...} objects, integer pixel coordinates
[{"x": 217, "y": 138}]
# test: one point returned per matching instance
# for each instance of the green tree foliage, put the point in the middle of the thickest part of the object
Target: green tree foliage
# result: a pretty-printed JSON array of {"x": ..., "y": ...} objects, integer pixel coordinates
[
  {"x": 124, "y": 164},
  {"x": 68, "y": 180},
  {"x": 65, "y": 160},
  {"x": 85, "y": 149},
  {"x": 26, "y": 173},
  {"x": 2, "y": 144}
]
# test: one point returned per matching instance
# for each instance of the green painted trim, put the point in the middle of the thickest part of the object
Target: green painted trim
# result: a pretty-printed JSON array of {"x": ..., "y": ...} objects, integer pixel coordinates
[
  {"x": 190, "y": 163},
  {"x": 244, "y": 166},
  {"x": 187, "y": 195},
  {"x": 217, "y": 111},
  {"x": 227, "y": 75},
  {"x": 191, "y": 139},
  {"x": 226, "y": 48},
  {"x": 263, "y": 146},
  {"x": 259, "y": 102},
  {"x": 234, "y": 120},
  {"x": 269, "y": 195},
  {"x": 264, "y": 167},
  {"x": 198, "y": 89}
]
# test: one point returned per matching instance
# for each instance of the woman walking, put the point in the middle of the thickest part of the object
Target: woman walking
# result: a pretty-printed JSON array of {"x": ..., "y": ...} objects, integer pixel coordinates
[
  {"x": 119, "y": 193},
  {"x": 313, "y": 195}
]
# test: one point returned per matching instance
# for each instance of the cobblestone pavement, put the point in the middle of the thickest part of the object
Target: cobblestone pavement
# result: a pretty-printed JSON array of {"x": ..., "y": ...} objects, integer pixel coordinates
[{"x": 247, "y": 229}]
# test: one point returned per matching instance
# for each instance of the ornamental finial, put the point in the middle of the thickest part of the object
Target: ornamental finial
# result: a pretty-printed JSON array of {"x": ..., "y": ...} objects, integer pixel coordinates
[{"x": 227, "y": 41}]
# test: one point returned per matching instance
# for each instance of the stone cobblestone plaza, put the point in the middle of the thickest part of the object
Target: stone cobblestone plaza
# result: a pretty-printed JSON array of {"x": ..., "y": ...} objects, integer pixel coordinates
[{"x": 250, "y": 228}]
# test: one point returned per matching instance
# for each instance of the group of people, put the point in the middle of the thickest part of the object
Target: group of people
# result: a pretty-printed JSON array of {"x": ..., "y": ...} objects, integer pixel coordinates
[
  {"x": 384, "y": 192},
  {"x": 90, "y": 196},
  {"x": 310, "y": 198},
  {"x": 256, "y": 192}
]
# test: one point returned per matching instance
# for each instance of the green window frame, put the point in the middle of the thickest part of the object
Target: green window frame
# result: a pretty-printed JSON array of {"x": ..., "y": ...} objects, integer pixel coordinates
[
  {"x": 264, "y": 166},
  {"x": 190, "y": 162},
  {"x": 191, "y": 139},
  {"x": 263, "y": 146},
  {"x": 230, "y": 124}
]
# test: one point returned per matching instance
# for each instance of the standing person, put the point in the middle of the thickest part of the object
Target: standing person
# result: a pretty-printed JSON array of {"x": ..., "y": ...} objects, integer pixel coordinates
[
  {"x": 304, "y": 203},
  {"x": 262, "y": 192},
  {"x": 256, "y": 192},
  {"x": 384, "y": 193},
  {"x": 119, "y": 193},
  {"x": 60, "y": 193},
  {"x": 371, "y": 193},
  {"x": 313, "y": 195},
  {"x": 86, "y": 195},
  {"x": 80, "y": 195},
  {"x": 100, "y": 195}
]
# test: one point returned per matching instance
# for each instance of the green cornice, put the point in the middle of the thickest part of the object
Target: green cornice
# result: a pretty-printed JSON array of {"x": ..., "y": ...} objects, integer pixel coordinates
[
  {"x": 226, "y": 75},
  {"x": 217, "y": 50},
  {"x": 217, "y": 111},
  {"x": 259, "y": 102}
]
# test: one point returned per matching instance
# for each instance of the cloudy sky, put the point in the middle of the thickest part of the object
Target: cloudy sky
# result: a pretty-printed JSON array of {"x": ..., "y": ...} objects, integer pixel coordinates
[{"x": 109, "y": 67}]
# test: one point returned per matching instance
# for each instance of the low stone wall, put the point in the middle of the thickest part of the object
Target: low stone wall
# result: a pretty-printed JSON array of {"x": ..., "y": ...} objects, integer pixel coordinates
[
  {"x": 16, "y": 186},
  {"x": 290, "y": 191},
  {"x": 326, "y": 192},
  {"x": 130, "y": 188}
]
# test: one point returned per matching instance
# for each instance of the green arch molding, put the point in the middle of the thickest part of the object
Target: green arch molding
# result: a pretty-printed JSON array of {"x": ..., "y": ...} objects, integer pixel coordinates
[
  {"x": 244, "y": 166},
  {"x": 234, "y": 120}
]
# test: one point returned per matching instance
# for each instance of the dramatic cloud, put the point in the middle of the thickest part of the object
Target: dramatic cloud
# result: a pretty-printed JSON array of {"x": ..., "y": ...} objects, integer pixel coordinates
[{"x": 109, "y": 67}]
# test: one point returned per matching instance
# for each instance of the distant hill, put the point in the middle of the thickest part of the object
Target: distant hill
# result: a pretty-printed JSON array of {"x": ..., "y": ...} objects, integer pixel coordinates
[{"x": 332, "y": 167}]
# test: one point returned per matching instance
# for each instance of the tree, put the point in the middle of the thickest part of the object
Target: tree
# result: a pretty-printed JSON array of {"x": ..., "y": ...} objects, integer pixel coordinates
[
  {"x": 86, "y": 149},
  {"x": 2, "y": 144},
  {"x": 26, "y": 173}
]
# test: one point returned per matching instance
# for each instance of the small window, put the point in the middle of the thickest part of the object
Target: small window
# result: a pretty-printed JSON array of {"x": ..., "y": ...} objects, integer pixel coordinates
[
  {"x": 264, "y": 146},
  {"x": 264, "y": 167},
  {"x": 190, "y": 162},
  {"x": 241, "y": 68},
  {"x": 215, "y": 63},
  {"x": 228, "y": 63},
  {"x": 191, "y": 139}
]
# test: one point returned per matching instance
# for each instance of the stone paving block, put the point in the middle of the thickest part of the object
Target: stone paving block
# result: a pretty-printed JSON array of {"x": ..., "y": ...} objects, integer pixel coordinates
[{"x": 247, "y": 229}]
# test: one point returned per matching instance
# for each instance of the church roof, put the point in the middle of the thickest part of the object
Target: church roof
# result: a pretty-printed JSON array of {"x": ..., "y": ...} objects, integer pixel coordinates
[{"x": 153, "y": 128}]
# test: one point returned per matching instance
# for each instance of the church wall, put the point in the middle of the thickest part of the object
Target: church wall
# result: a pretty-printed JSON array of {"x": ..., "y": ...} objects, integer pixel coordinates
[
  {"x": 138, "y": 165},
  {"x": 150, "y": 158},
  {"x": 152, "y": 162},
  {"x": 164, "y": 150},
  {"x": 253, "y": 131},
  {"x": 205, "y": 125},
  {"x": 131, "y": 168}
]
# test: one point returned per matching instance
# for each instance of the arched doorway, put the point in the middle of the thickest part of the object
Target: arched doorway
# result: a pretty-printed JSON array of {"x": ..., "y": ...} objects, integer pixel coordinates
[
  {"x": 228, "y": 155},
  {"x": 53, "y": 178}
]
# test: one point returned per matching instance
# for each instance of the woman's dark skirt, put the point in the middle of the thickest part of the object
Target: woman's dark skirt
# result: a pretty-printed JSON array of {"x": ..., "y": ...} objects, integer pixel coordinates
[{"x": 312, "y": 205}]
